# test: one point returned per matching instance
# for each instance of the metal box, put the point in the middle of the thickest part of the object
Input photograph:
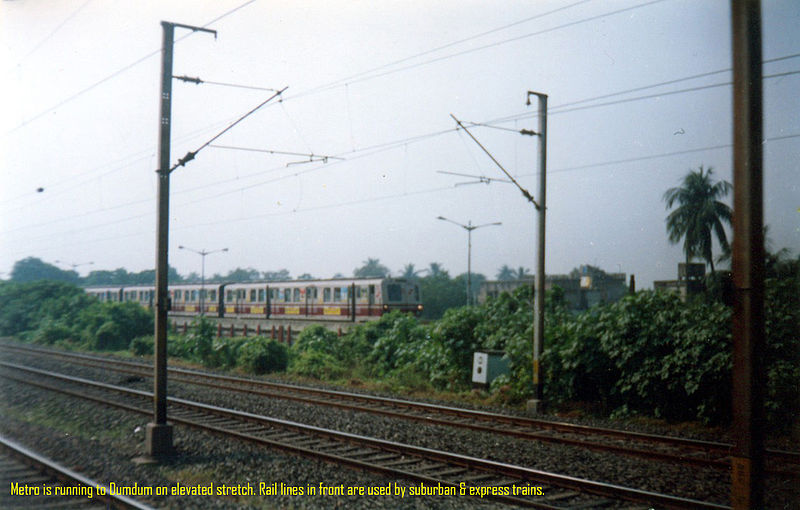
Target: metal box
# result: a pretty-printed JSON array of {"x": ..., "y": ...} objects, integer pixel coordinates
[{"x": 487, "y": 366}]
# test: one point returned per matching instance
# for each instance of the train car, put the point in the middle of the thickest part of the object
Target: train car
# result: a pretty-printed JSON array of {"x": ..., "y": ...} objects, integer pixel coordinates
[
  {"x": 145, "y": 295},
  {"x": 106, "y": 294},
  {"x": 196, "y": 299},
  {"x": 345, "y": 299},
  {"x": 336, "y": 299}
]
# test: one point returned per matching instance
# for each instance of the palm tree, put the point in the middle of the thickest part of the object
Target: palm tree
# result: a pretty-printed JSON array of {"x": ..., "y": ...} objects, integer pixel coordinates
[
  {"x": 522, "y": 273},
  {"x": 411, "y": 273},
  {"x": 699, "y": 212},
  {"x": 505, "y": 273}
]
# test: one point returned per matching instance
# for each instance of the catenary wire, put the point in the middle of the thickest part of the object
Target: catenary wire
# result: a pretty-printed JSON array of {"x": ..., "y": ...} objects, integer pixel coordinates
[{"x": 116, "y": 73}]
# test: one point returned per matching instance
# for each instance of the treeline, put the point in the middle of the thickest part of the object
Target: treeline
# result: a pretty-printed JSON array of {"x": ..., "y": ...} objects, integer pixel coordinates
[
  {"x": 650, "y": 353},
  {"x": 440, "y": 291}
]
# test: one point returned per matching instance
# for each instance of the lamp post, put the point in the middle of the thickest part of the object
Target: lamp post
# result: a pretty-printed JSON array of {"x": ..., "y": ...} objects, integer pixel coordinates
[
  {"x": 469, "y": 227},
  {"x": 202, "y": 254},
  {"x": 73, "y": 265}
]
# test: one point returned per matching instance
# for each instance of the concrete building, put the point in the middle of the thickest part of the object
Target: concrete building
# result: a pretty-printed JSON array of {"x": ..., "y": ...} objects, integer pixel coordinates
[
  {"x": 582, "y": 288},
  {"x": 690, "y": 280}
]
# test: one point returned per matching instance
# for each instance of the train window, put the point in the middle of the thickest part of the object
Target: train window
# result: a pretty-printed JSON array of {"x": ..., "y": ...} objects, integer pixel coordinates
[
  {"x": 261, "y": 295},
  {"x": 416, "y": 293},
  {"x": 395, "y": 292},
  {"x": 194, "y": 295},
  {"x": 326, "y": 295},
  {"x": 252, "y": 295},
  {"x": 229, "y": 296},
  {"x": 296, "y": 295},
  {"x": 337, "y": 294},
  {"x": 212, "y": 295}
]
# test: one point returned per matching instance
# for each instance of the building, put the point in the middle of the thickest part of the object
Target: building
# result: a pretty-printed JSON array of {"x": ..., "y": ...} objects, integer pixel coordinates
[
  {"x": 691, "y": 278},
  {"x": 583, "y": 288}
]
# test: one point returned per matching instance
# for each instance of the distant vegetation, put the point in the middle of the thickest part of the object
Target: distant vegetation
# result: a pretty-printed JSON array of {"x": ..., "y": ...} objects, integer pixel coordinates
[{"x": 649, "y": 353}]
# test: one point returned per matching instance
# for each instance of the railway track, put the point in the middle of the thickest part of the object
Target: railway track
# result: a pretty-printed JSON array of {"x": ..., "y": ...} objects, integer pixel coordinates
[
  {"x": 41, "y": 483},
  {"x": 441, "y": 472},
  {"x": 649, "y": 446}
]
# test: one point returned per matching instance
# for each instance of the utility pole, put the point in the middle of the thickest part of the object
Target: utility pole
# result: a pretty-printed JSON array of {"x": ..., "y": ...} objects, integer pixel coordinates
[
  {"x": 158, "y": 434},
  {"x": 536, "y": 404},
  {"x": 469, "y": 227},
  {"x": 747, "y": 461}
]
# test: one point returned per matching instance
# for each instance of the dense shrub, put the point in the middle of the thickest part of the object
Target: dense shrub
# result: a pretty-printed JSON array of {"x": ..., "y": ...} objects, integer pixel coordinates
[
  {"x": 23, "y": 306},
  {"x": 318, "y": 365},
  {"x": 397, "y": 345},
  {"x": 112, "y": 326},
  {"x": 142, "y": 345},
  {"x": 259, "y": 356},
  {"x": 50, "y": 332},
  {"x": 317, "y": 338}
]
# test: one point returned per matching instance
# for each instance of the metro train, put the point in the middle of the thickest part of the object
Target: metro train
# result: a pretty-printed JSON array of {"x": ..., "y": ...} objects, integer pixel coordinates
[{"x": 346, "y": 299}]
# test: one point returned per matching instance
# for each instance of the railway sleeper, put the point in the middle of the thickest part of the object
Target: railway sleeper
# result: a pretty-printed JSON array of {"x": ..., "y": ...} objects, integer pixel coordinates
[
  {"x": 559, "y": 496},
  {"x": 481, "y": 477},
  {"x": 341, "y": 449},
  {"x": 361, "y": 453},
  {"x": 452, "y": 471},
  {"x": 380, "y": 457},
  {"x": 596, "y": 503},
  {"x": 402, "y": 462}
]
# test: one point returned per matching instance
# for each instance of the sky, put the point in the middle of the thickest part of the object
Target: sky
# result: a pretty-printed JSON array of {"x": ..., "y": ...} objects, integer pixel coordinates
[{"x": 371, "y": 90}]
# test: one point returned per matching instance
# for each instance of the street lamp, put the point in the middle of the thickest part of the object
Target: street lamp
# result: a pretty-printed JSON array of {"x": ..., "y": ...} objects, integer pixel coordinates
[
  {"x": 73, "y": 265},
  {"x": 469, "y": 227},
  {"x": 202, "y": 254}
]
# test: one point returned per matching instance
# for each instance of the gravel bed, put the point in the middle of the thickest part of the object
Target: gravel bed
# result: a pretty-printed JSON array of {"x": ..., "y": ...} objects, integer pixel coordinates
[
  {"x": 704, "y": 484},
  {"x": 101, "y": 443}
]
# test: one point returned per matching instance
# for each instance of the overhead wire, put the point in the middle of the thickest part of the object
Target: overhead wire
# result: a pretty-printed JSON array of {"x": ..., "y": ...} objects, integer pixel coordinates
[
  {"x": 386, "y": 197},
  {"x": 53, "y": 32},
  {"x": 413, "y": 139},
  {"x": 472, "y": 50},
  {"x": 116, "y": 73},
  {"x": 348, "y": 79}
]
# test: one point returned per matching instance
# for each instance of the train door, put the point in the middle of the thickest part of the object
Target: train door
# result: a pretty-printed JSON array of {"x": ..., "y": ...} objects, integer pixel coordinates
[{"x": 371, "y": 299}]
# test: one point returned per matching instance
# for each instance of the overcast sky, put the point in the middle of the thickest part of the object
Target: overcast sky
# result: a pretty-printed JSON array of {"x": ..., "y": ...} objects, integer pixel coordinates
[{"x": 374, "y": 83}]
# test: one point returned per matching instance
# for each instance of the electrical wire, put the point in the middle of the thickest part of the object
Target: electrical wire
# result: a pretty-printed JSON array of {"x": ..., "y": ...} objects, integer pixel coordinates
[
  {"x": 381, "y": 198},
  {"x": 479, "y": 48},
  {"x": 116, "y": 73}
]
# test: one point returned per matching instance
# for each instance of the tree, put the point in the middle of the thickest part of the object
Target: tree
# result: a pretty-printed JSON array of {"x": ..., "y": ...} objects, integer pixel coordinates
[
  {"x": 522, "y": 273},
  {"x": 699, "y": 212},
  {"x": 32, "y": 269},
  {"x": 243, "y": 275},
  {"x": 436, "y": 269},
  {"x": 371, "y": 268},
  {"x": 305, "y": 276},
  {"x": 411, "y": 273},
  {"x": 281, "y": 275},
  {"x": 505, "y": 273}
]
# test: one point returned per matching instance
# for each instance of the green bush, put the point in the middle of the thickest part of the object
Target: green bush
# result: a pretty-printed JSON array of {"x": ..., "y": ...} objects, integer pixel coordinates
[
  {"x": 396, "y": 346},
  {"x": 260, "y": 356},
  {"x": 24, "y": 306},
  {"x": 317, "y": 338},
  {"x": 318, "y": 365},
  {"x": 50, "y": 332},
  {"x": 109, "y": 337},
  {"x": 142, "y": 345}
]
